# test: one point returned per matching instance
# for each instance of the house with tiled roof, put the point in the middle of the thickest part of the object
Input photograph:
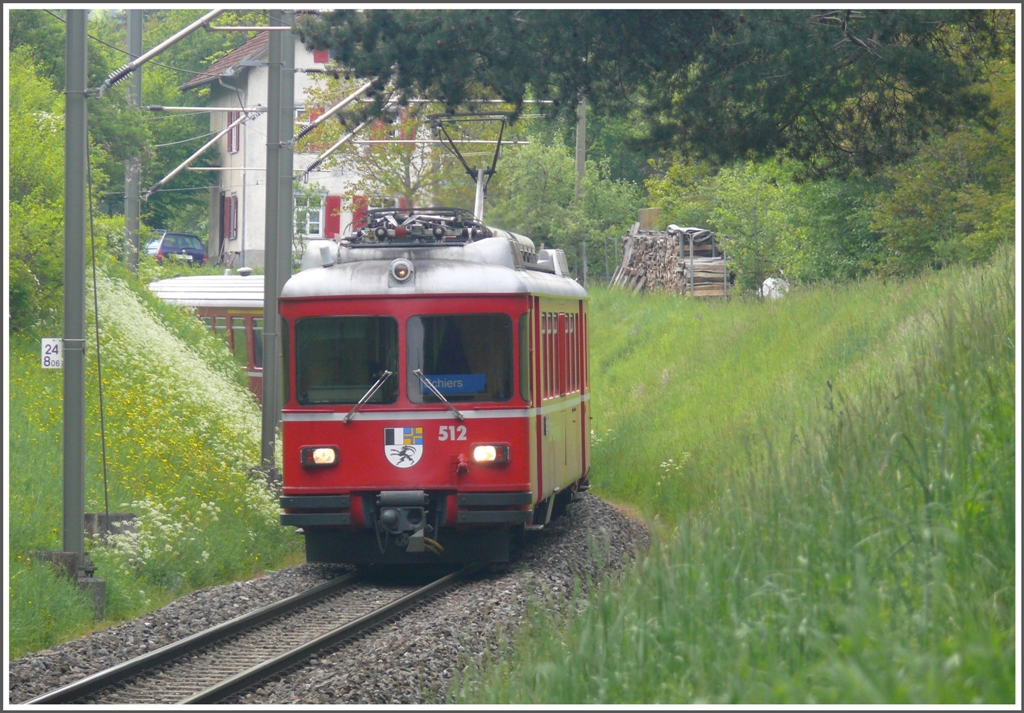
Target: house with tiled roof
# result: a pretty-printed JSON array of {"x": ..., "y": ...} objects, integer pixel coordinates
[{"x": 238, "y": 202}]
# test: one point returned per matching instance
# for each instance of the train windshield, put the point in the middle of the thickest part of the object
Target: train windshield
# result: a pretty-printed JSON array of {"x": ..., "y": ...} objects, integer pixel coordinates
[
  {"x": 337, "y": 359},
  {"x": 467, "y": 357}
]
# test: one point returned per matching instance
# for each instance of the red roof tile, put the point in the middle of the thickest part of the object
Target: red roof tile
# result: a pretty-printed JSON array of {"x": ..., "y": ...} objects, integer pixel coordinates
[{"x": 255, "y": 48}]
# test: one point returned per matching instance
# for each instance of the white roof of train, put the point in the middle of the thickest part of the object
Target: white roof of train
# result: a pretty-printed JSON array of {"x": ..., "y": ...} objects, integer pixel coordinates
[
  {"x": 241, "y": 291},
  {"x": 493, "y": 265}
]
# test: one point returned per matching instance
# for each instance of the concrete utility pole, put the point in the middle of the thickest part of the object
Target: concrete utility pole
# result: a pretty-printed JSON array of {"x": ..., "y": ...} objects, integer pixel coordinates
[
  {"x": 271, "y": 375},
  {"x": 133, "y": 166},
  {"x": 581, "y": 166},
  {"x": 75, "y": 157},
  {"x": 478, "y": 200},
  {"x": 285, "y": 193}
]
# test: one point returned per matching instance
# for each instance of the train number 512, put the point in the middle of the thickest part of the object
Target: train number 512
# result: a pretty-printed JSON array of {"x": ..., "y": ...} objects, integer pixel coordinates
[{"x": 452, "y": 433}]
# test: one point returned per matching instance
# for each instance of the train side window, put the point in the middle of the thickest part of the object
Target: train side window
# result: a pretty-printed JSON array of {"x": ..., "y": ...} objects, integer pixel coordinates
[
  {"x": 542, "y": 375},
  {"x": 551, "y": 355},
  {"x": 257, "y": 341},
  {"x": 570, "y": 342},
  {"x": 220, "y": 326},
  {"x": 586, "y": 353},
  {"x": 524, "y": 356},
  {"x": 208, "y": 321},
  {"x": 239, "y": 346},
  {"x": 545, "y": 329},
  {"x": 575, "y": 353},
  {"x": 572, "y": 352}
]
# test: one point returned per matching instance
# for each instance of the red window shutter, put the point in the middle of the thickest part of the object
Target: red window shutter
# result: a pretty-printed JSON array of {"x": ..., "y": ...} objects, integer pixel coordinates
[
  {"x": 321, "y": 56},
  {"x": 360, "y": 205},
  {"x": 225, "y": 217},
  {"x": 332, "y": 216}
]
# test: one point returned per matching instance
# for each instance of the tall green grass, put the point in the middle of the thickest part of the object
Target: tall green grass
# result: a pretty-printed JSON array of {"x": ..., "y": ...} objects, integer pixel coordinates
[
  {"x": 181, "y": 433},
  {"x": 859, "y": 551},
  {"x": 701, "y": 381}
]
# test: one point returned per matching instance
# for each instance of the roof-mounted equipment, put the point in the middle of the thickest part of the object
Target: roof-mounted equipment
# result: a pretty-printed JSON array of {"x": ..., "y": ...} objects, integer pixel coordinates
[{"x": 425, "y": 226}]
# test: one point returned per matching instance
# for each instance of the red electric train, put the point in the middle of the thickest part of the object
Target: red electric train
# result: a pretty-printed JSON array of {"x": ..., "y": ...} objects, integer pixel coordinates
[{"x": 437, "y": 394}]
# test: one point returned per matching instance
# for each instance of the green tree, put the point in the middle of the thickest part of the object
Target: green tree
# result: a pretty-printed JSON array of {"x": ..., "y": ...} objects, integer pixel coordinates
[
  {"x": 535, "y": 196},
  {"x": 120, "y": 132},
  {"x": 679, "y": 187},
  {"x": 955, "y": 200},
  {"x": 830, "y": 218},
  {"x": 838, "y": 242},
  {"x": 423, "y": 172},
  {"x": 757, "y": 212},
  {"x": 839, "y": 90},
  {"x": 36, "y": 182},
  {"x": 533, "y": 193}
]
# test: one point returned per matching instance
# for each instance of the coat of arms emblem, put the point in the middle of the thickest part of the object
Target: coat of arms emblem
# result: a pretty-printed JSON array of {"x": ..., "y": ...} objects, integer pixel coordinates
[{"x": 403, "y": 446}]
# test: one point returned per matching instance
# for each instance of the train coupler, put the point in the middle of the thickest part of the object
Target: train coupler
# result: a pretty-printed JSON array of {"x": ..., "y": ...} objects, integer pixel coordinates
[{"x": 402, "y": 514}]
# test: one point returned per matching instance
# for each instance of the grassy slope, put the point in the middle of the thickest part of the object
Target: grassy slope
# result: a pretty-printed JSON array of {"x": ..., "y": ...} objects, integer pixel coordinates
[
  {"x": 845, "y": 545},
  {"x": 181, "y": 434}
]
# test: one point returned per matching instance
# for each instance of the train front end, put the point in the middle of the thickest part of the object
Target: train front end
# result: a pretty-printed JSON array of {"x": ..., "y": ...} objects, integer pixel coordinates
[{"x": 407, "y": 407}]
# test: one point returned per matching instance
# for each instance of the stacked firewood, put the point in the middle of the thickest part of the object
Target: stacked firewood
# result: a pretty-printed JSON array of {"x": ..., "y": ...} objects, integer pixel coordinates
[{"x": 655, "y": 260}]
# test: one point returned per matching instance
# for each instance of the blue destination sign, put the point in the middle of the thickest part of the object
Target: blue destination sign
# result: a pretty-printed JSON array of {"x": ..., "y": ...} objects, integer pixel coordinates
[{"x": 458, "y": 383}]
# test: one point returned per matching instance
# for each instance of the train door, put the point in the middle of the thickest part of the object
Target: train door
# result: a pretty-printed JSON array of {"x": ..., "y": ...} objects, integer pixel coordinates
[
  {"x": 551, "y": 432},
  {"x": 559, "y": 416},
  {"x": 573, "y": 412},
  {"x": 584, "y": 367}
]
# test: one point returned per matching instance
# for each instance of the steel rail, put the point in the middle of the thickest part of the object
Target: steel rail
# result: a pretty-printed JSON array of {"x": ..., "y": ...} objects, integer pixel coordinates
[
  {"x": 246, "y": 679},
  {"x": 153, "y": 659}
]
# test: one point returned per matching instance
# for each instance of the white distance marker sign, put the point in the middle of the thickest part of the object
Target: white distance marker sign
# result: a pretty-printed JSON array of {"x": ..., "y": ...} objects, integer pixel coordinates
[{"x": 53, "y": 355}]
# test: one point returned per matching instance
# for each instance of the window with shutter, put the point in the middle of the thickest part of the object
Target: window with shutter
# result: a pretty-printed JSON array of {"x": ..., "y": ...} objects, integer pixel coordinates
[
  {"x": 225, "y": 216},
  {"x": 235, "y": 133},
  {"x": 332, "y": 216}
]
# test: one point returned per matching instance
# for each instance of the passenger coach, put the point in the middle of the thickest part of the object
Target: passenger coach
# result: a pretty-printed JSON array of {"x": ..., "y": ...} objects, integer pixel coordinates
[
  {"x": 437, "y": 391},
  {"x": 229, "y": 305}
]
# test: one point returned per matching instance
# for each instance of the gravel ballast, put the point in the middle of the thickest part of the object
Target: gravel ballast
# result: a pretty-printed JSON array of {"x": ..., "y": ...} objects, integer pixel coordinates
[{"x": 410, "y": 660}]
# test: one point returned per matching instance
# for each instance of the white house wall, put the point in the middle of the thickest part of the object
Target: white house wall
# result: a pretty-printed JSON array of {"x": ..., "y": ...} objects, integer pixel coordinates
[{"x": 244, "y": 172}]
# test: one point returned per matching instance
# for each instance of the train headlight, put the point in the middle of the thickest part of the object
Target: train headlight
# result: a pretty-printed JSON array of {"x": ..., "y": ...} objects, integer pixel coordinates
[
  {"x": 318, "y": 456},
  {"x": 488, "y": 453},
  {"x": 401, "y": 270}
]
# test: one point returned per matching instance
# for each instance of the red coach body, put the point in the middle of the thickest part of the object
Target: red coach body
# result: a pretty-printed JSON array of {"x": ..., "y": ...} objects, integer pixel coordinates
[{"x": 437, "y": 391}]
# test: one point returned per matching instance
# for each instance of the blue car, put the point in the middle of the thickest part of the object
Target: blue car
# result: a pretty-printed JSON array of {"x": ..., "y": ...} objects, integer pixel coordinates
[{"x": 183, "y": 246}]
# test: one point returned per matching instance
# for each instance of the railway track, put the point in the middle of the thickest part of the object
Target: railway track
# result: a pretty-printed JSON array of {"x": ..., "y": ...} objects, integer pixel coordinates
[{"x": 211, "y": 665}]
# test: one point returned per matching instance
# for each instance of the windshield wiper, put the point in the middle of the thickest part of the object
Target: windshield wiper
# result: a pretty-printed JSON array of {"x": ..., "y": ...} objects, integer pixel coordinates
[
  {"x": 426, "y": 382},
  {"x": 367, "y": 396}
]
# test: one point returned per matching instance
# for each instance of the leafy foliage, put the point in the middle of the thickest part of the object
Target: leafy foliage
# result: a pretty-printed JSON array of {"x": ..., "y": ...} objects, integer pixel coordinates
[
  {"x": 381, "y": 172},
  {"x": 36, "y": 183},
  {"x": 839, "y": 90},
  {"x": 955, "y": 200},
  {"x": 535, "y": 196},
  {"x": 754, "y": 210},
  {"x": 116, "y": 131}
]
